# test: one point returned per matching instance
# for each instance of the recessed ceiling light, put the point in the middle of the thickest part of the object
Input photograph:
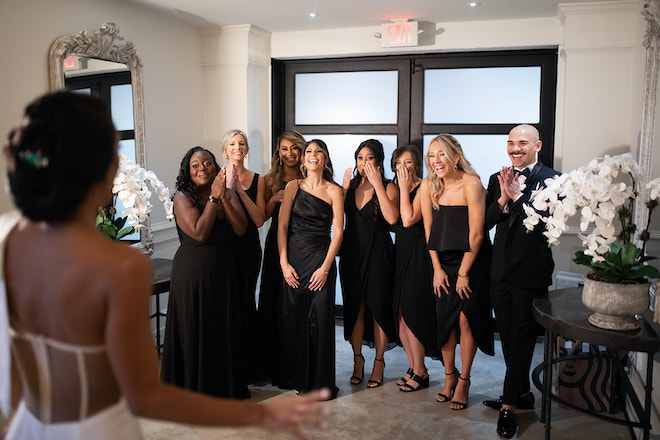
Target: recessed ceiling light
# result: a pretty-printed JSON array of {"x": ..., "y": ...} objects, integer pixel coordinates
[
  {"x": 473, "y": 4},
  {"x": 312, "y": 15}
]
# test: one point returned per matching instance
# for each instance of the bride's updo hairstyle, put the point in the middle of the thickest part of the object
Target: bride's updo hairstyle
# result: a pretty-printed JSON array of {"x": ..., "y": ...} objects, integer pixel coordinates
[{"x": 64, "y": 145}]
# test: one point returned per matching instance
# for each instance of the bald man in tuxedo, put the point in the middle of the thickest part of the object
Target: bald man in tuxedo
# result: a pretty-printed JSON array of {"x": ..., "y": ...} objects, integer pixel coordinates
[{"x": 521, "y": 269}]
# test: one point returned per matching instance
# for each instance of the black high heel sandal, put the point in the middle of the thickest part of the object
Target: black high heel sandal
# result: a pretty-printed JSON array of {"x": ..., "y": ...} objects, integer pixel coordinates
[
  {"x": 461, "y": 405},
  {"x": 377, "y": 383},
  {"x": 403, "y": 380},
  {"x": 451, "y": 394},
  {"x": 422, "y": 381},
  {"x": 355, "y": 380}
]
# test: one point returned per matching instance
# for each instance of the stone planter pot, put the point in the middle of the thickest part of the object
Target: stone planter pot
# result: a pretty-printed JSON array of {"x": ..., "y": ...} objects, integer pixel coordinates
[{"x": 615, "y": 305}]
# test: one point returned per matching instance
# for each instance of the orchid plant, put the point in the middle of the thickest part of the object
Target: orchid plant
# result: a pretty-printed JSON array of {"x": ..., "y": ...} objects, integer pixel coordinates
[
  {"x": 130, "y": 186},
  {"x": 604, "y": 193}
]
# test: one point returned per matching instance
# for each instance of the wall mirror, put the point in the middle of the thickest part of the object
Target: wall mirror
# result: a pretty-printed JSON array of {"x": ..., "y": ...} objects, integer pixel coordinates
[{"x": 105, "y": 64}]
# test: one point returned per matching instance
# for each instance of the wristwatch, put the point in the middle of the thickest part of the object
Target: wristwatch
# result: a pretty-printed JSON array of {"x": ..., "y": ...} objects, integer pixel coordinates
[{"x": 213, "y": 199}]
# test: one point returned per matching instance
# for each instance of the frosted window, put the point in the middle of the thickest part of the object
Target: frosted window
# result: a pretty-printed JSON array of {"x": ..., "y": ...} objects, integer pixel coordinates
[
  {"x": 122, "y": 106},
  {"x": 494, "y": 95},
  {"x": 346, "y": 98},
  {"x": 486, "y": 153},
  {"x": 342, "y": 153}
]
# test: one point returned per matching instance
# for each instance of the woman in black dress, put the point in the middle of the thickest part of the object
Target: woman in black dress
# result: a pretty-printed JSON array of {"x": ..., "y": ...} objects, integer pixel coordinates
[
  {"x": 203, "y": 349},
  {"x": 285, "y": 166},
  {"x": 310, "y": 208},
  {"x": 250, "y": 188},
  {"x": 367, "y": 259},
  {"x": 453, "y": 209},
  {"x": 414, "y": 303}
]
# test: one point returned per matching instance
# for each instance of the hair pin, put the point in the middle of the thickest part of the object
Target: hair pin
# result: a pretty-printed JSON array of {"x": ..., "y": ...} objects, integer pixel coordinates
[{"x": 34, "y": 158}]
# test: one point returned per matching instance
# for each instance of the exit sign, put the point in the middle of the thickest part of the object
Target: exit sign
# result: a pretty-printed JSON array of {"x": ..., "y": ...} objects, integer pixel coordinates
[{"x": 399, "y": 33}]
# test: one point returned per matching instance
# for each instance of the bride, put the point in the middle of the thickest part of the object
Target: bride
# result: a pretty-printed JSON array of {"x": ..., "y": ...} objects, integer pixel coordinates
[{"x": 75, "y": 304}]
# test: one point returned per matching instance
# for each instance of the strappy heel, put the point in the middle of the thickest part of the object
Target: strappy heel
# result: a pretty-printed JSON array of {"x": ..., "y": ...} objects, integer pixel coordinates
[
  {"x": 403, "y": 380},
  {"x": 375, "y": 382},
  {"x": 422, "y": 382},
  {"x": 451, "y": 392},
  {"x": 355, "y": 380},
  {"x": 462, "y": 405}
]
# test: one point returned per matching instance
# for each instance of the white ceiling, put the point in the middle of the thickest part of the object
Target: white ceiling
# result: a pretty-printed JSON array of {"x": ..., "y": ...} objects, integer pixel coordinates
[{"x": 292, "y": 15}]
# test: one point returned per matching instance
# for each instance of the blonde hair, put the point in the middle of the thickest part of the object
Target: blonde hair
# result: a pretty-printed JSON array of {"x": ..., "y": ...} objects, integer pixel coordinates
[
  {"x": 230, "y": 135},
  {"x": 452, "y": 149},
  {"x": 276, "y": 166}
]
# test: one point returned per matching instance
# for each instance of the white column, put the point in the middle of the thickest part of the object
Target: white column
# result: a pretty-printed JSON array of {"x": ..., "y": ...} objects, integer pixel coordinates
[{"x": 236, "y": 84}]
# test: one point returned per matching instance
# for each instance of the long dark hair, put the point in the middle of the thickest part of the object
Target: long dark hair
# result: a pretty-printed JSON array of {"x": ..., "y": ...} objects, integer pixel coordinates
[
  {"x": 183, "y": 181},
  {"x": 376, "y": 148},
  {"x": 328, "y": 170},
  {"x": 64, "y": 146}
]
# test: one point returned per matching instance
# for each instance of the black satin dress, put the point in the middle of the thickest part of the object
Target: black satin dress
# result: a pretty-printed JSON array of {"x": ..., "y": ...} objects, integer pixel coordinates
[
  {"x": 307, "y": 331},
  {"x": 269, "y": 298},
  {"x": 450, "y": 238},
  {"x": 366, "y": 269},
  {"x": 247, "y": 255},
  {"x": 203, "y": 345},
  {"x": 413, "y": 284}
]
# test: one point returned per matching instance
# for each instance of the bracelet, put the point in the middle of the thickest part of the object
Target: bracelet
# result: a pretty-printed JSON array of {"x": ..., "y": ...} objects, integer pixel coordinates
[
  {"x": 213, "y": 199},
  {"x": 461, "y": 276},
  {"x": 326, "y": 272}
]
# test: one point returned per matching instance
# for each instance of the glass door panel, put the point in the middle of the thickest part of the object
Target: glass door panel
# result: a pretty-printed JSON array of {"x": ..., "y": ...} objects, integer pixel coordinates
[
  {"x": 346, "y": 98},
  {"x": 494, "y": 95}
]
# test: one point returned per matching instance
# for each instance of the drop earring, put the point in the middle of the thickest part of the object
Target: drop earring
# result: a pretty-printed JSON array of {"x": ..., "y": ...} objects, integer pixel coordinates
[{"x": 456, "y": 166}]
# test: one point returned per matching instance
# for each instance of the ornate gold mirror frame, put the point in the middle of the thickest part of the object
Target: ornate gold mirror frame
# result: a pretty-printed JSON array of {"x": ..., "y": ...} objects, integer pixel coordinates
[{"x": 106, "y": 44}]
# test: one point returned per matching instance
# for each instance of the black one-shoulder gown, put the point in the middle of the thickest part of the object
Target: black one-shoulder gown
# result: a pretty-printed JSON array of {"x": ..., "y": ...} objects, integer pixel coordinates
[{"x": 307, "y": 329}]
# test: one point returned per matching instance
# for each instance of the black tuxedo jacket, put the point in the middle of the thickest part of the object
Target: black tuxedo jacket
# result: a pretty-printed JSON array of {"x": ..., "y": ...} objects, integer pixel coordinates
[{"x": 521, "y": 258}]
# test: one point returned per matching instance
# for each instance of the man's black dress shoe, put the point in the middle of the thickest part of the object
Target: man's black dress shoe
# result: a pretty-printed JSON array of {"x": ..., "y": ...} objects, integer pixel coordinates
[
  {"x": 506, "y": 424},
  {"x": 525, "y": 402}
]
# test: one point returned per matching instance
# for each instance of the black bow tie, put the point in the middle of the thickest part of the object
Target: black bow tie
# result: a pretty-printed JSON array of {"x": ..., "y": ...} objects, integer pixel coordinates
[{"x": 524, "y": 172}]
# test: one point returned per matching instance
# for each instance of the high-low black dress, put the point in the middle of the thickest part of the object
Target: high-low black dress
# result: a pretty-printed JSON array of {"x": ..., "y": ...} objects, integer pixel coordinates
[
  {"x": 307, "y": 331},
  {"x": 366, "y": 269},
  {"x": 269, "y": 297},
  {"x": 247, "y": 253},
  {"x": 450, "y": 238},
  {"x": 413, "y": 283},
  {"x": 203, "y": 346}
]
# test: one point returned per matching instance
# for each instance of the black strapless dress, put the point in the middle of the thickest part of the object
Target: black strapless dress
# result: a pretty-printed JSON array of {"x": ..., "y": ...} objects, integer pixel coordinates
[
  {"x": 247, "y": 254},
  {"x": 307, "y": 326},
  {"x": 203, "y": 345},
  {"x": 366, "y": 269},
  {"x": 413, "y": 284},
  {"x": 450, "y": 238}
]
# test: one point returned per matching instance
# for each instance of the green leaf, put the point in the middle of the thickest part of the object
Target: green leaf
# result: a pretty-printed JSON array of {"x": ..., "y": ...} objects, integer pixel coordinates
[
  {"x": 124, "y": 232},
  {"x": 613, "y": 259},
  {"x": 120, "y": 222},
  {"x": 108, "y": 230},
  {"x": 629, "y": 254},
  {"x": 582, "y": 258},
  {"x": 646, "y": 272}
]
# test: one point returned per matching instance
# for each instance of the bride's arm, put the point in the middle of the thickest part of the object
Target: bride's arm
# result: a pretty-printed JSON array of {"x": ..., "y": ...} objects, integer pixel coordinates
[{"x": 133, "y": 358}]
